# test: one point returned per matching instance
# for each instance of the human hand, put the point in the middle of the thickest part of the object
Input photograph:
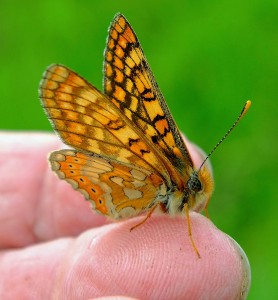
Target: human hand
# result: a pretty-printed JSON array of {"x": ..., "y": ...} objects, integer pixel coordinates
[{"x": 54, "y": 247}]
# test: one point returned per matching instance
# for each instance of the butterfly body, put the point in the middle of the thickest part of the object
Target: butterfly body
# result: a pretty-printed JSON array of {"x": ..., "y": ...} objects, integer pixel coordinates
[{"x": 129, "y": 156}]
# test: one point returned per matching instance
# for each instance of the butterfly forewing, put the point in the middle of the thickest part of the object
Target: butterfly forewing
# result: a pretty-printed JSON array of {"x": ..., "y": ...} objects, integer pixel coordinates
[
  {"x": 85, "y": 119},
  {"x": 114, "y": 189},
  {"x": 129, "y": 82}
]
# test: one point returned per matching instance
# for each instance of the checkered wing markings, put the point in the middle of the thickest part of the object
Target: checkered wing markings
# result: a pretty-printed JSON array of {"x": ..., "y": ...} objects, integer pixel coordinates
[
  {"x": 129, "y": 82},
  {"x": 114, "y": 189},
  {"x": 85, "y": 119}
]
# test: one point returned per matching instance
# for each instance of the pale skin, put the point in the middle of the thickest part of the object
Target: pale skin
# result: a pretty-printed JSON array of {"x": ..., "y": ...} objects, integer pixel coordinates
[{"x": 54, "y": 247}]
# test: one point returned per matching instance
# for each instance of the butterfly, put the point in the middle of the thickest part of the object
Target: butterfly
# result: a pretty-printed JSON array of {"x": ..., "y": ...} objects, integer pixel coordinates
[{"x": 128, "y": 156}]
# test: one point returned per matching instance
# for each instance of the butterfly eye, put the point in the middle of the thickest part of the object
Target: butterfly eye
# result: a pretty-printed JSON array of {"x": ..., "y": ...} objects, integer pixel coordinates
[{"x": 194, "y": 184}]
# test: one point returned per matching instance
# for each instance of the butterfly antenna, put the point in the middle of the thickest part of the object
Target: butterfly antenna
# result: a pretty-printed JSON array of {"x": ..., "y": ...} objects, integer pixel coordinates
[{"x": 243, "y": 112}]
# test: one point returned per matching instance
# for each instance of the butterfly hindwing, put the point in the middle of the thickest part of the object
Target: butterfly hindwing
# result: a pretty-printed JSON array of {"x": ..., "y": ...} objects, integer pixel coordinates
[{"x": 114, "y": 189}]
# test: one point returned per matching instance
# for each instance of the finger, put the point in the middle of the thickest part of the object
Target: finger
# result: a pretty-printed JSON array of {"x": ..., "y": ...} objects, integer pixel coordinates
[
  {"x": 34, "y": 204},
  {"x": 155, "y": 261}
]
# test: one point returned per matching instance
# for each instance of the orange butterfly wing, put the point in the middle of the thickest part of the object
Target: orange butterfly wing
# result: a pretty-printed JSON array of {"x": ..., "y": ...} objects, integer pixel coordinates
[
  {"x": 86, "y": 119},
  {"x": 129, "y": 82},
  {"x": 115, "y": 190}
]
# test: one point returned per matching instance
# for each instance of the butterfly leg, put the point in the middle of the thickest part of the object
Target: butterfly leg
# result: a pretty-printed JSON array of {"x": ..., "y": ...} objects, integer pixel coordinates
[
  {"x": 147, "y": 216},
  {"x": 189, "y": 229}
]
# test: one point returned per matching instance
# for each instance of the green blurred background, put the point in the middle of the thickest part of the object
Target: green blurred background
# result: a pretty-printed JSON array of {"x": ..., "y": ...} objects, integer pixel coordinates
[{"x": 208, "y": 57}]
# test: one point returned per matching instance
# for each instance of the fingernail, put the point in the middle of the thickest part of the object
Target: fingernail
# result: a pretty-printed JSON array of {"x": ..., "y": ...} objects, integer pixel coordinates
[{"x": 246, "y": 271}]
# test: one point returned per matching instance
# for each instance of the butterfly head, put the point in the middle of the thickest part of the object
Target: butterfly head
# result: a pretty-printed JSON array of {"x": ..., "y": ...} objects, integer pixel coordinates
[
  {"x": 200, "y": 187},
  {"x": 196, "y": 192}
]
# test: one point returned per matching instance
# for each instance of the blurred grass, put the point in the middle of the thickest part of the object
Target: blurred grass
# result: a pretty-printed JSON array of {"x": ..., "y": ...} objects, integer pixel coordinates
[{"x": 208, "y": 57}]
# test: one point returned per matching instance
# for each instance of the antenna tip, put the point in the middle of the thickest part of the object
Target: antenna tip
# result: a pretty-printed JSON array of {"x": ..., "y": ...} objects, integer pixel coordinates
[
  {"x": 248, "y": 103},
  {"x": 246, "y": 108}
]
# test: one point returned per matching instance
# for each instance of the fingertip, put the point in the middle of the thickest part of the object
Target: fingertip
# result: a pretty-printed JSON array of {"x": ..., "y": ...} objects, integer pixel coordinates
[{"x": 159, "y": 255}]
